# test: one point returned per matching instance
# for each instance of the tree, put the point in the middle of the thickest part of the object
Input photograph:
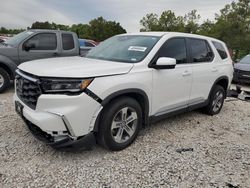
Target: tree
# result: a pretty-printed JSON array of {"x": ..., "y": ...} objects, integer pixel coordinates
[
  {"x": 100, "y": 29},
  {"x": 168, "y": 21},
  {"x": 191, "y": 22},
  {"x": 81, "y": 30},
  {"x": 150, "y": 23},
  {"x": 233, "y": 27}
]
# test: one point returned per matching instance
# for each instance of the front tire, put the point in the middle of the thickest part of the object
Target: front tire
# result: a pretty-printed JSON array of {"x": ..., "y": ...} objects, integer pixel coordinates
[
  {"x": 4, "y": 80},
  {"x": 120, "y": 123},
  {"x": 216, "y": 100}
]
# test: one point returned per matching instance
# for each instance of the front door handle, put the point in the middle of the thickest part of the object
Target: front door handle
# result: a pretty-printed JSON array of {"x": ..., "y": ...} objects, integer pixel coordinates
[{"x": 186, "y": 73}]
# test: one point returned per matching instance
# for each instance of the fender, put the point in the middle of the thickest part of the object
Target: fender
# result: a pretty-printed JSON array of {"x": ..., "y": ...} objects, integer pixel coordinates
[
  {"x": 11, "y": 66},
  {"x": 128, "y": 92}
]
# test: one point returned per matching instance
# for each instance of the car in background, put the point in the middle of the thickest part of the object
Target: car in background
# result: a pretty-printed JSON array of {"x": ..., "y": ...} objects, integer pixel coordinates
[
  {"x": 3, "y": 39},
  {"x": 31, "y": 45},
  {"x": 86, "y": 45},
  {"x": 242, "y": 71}
]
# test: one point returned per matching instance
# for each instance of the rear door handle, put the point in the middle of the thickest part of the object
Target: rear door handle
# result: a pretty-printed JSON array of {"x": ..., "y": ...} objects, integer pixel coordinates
[{"x": 186, "y": 73}]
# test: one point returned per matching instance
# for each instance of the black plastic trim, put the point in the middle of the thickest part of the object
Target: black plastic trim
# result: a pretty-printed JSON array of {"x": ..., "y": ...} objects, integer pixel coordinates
[
  {"x": 154, "y": 119},
  {"x": 93, "y": 95}
]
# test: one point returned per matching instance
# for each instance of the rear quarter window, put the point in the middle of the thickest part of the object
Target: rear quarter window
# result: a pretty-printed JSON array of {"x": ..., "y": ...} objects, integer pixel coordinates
[
  {"x": 201, "y": 52},
  {"x": 68, "y": 42},
  {"x": 220, "y": 49}
]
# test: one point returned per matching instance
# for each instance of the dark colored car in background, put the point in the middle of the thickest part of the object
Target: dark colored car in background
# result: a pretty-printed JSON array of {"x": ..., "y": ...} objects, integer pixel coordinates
[
  {"x": 86, "y": 45},
  {"x": 242, "y": 71}
]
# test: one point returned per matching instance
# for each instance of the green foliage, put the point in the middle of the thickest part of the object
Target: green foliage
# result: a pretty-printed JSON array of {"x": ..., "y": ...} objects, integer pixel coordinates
[
  {"x": 3, "y": 30},
  {"x": 98, "y": 29},
  {"x": 232, "y": 25},
  {"x": 168, "y": 21}
]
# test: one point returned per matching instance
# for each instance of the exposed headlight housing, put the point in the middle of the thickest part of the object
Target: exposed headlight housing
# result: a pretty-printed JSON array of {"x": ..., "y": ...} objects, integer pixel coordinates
[{"x": 68, "y": 86}]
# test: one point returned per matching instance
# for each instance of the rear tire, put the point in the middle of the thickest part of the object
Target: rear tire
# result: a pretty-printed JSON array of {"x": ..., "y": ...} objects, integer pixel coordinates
[
  {"x": 4, "y": 80},
  {"x": 216, "y": 100},
  {"x": 120, "y": 123}
]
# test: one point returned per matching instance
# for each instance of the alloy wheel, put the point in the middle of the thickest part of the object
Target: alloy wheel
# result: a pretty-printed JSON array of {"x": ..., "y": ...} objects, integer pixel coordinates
[
  {"x": 124, "y": 124},
  {"x": 218, "y": 101},
  {"x": 1, "y": 81}
]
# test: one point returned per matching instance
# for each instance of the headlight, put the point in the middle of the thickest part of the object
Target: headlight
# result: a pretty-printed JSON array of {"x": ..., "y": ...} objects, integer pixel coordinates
[{"x": 65, "y": 85}]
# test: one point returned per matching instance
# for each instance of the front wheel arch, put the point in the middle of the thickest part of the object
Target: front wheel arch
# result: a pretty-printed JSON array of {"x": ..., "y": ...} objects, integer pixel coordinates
[{"x": 139, "y": 95}]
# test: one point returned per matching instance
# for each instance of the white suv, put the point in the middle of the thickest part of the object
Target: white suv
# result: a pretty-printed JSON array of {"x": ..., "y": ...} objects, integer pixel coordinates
[{"x": 122, "y": 85}]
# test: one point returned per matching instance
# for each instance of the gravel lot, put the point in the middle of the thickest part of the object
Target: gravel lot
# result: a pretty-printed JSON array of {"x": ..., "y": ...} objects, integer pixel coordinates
[{"x": 220, "y": 155}]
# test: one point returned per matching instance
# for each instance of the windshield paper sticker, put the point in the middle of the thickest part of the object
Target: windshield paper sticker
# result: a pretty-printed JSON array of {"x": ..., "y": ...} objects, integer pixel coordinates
[
  {"x": 30, "y": 32},
  {"x": 137, "y": 48}
]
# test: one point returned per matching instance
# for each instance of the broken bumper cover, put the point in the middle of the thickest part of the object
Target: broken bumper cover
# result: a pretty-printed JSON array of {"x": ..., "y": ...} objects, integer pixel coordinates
[{"x": 62, "y": 141}]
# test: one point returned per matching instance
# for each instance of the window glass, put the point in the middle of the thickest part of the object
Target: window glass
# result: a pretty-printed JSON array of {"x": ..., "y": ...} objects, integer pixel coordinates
[
  {"x": 68, "y": 41},
  {"x": 201, "y": 51},
  {"x": 221, "y": 50},
  {"x": 124, "y": 48},
  {"x": 88, "y": 44},
  {"x": 246, "y": 59},
  {"x": 43, "y": 41},
  {"x": 174, "y": 48}
]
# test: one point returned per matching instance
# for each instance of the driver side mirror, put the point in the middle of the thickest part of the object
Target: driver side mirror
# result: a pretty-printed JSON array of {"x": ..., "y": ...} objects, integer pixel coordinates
[
  {"x": 28, "y": 47},
  {"x": 165, "y": 63}
]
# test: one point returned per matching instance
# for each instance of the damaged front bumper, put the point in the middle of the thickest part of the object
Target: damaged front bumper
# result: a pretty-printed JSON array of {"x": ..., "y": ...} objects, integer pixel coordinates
[{"x": 62, "y": 141}]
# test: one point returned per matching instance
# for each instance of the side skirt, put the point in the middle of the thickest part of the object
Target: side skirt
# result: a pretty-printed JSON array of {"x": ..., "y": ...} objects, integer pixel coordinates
[{"x": 154, "y": 119}]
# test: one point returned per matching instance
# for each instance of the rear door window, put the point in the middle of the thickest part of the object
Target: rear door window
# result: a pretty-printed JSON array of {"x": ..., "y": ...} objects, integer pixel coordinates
[
  {"x": 174, "y": 48},
  {"x": 68, "y": 41},
  {"x": 201, "y": 52},
  {"x": 220, "y": 49}
]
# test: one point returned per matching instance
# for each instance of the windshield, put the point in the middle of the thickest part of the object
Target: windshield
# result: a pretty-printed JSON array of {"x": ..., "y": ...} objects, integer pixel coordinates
[
  {"x": 14, "y": 41},
  {"x": 246, "y": 59},
  {"x": 126, "y": 48}
]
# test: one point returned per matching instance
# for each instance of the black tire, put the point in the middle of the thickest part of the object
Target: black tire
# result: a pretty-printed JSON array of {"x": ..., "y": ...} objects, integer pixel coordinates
[
  {"x": 211, "y": 109},
  {"x": 4, "y": 80},
  {"x": 106, "y": 136}
]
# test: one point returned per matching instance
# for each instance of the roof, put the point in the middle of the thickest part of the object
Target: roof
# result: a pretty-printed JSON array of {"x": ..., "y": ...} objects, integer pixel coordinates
[
  {"x": 48, "y": 30},
  {"x": 160, "y": 34}
]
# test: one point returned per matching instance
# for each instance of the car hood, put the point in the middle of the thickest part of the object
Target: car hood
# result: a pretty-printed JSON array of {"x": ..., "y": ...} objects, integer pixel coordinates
[
  {"x": 74, "y": 67},
  {"x": 242, "y": 66}
]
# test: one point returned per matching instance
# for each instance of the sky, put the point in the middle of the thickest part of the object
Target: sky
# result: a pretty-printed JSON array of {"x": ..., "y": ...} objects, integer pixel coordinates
[{"x": 22, "y": 13}]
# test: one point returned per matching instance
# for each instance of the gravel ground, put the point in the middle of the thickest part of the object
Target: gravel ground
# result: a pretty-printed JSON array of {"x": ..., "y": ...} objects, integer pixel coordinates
[{"x": 218, "y": 154}]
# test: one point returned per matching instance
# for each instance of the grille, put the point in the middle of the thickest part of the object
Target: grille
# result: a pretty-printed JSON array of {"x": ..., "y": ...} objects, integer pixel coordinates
[
  {"x": 27, "y": 90},
  {"x": 241, "y": 72}
]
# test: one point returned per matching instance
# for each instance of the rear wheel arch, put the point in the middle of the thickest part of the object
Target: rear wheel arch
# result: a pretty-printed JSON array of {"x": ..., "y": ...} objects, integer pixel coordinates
[
  {"x": 139, "y": 95},
  {"x": 222, "y": 81}
]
